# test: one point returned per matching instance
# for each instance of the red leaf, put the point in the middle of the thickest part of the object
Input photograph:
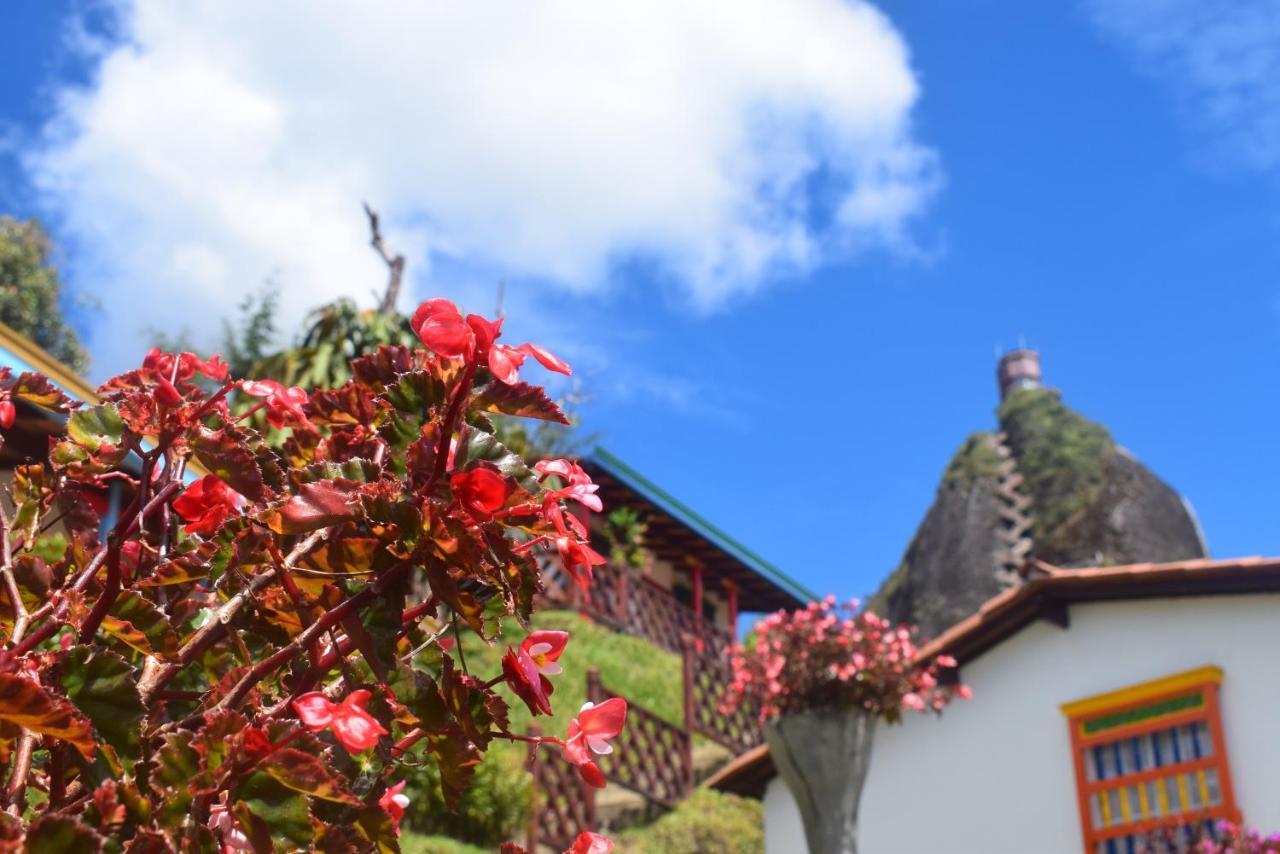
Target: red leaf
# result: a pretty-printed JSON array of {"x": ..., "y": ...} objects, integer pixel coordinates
[
  {"x": 27, "y": 704},
  {"x": 317, "y": 505}
]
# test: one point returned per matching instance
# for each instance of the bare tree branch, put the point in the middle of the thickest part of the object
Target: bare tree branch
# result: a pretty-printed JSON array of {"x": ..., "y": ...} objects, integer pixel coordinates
[{"x": 395, "y": 263}]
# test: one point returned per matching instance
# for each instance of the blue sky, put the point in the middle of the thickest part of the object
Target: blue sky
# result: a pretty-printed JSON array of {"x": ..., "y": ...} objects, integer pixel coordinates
[{"x": 1098, "y": 179}]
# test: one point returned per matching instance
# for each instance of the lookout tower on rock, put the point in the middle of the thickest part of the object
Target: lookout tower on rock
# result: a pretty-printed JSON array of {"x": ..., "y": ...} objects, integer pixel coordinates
[{"x": 1049, "y": 485}]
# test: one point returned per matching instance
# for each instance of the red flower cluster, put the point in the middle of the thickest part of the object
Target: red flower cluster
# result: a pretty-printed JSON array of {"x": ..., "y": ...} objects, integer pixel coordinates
[
  {"x": 572, "y": 544},
  {"x": 440, "y": 326},
  {"x": 166, "y": 370},
  {"x": 828, "y": 655}
]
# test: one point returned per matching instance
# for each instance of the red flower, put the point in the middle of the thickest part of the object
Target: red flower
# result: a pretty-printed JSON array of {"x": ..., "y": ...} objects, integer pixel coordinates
[
  {"x": 284, "y": 405},
  {"x": 444, "y": 330},
  {"x": 394, "y": 802},
  {"x": 524, "y": 680},
  {"x": 354, "y": 727},
  {"x": 206, "y": 504},
  {"x": 481, "y": 491},
  {"x": 590, "y": 732},
  {"x": 526, "y": 670},
  {"x": 590, "y": 843},
  {"x": 7, "y": 412},
  {"x": 160, "y": 365},
  {"x": 578, "y": 559},
  {"x": 440, "y": 326}
]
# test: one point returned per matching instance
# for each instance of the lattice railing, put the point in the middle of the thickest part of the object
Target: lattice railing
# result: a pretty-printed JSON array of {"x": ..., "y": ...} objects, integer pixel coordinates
[
  {"x": 563, "y": 804},
  {"x": 650, "y": 756},
  {"x": 707, "y": 673},
  {"x": 630, "y": 603}
]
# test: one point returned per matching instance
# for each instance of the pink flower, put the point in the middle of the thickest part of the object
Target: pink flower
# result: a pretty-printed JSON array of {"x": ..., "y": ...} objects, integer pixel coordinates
[
  {"x": 206, "y": 504},
  {"x": 590, "y": 732},
  {"x": 964, "y": 692},
  {"x": 590, "y": 843},
  {"x": 354, "y": 727},
  {"x": 945, "y": 661},
  {"x": 544, "y": 648},
  {"x": 7, "y": 413},
  {"x": 578, "y": 559},
  {"x": 221, "y": 823},
  {"x": 394, "y": 802},
  {"x": 578, "y": 485},
  {"x": 284, "y": 405},
  {"x": 481, "y": 491}
]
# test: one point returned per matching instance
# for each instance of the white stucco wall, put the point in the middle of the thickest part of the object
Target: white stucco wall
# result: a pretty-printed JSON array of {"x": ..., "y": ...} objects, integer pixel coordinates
[{"x": 995, "y": 774}]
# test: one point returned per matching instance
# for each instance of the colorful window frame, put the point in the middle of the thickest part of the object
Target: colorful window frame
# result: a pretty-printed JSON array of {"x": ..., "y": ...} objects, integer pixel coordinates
[{"x": 1150, "y": 757}]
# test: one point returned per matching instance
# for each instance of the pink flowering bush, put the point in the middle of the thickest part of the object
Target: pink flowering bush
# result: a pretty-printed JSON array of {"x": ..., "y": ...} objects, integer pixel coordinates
[
  {"x": 1231, "y": 838},
  {"x": 830, "y": 655}
]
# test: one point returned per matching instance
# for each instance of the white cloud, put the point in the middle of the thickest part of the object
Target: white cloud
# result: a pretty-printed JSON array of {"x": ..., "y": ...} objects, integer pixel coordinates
[
  {"x": 545, "y": 141},
  {"x": 1223, "y": 58}
]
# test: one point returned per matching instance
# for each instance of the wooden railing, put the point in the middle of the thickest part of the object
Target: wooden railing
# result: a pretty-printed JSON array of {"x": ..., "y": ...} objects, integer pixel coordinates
[
  {"x": 707, "y": 672},
  {"x": 563, "y": 805},
  {"x": 628, "y": 602},
  {"x": 650, "y": 756}
]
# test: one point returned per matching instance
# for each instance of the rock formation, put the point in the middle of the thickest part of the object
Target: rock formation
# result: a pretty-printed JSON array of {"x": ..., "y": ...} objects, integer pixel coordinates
[{"x": 1049, "y": 485}]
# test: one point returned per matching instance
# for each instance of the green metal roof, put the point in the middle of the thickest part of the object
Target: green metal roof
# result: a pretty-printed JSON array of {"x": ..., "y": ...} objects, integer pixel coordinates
[{"x": 685, "y": 514}]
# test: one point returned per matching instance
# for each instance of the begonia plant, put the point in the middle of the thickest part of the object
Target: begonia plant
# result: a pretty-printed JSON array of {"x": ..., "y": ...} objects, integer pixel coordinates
[
  {"x": 242, "y": 643},
  {"x": 835, "y": 656}
]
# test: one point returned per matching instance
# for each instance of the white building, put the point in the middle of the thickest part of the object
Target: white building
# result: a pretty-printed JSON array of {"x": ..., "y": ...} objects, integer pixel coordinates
[{"x": 1107, "y": 702}]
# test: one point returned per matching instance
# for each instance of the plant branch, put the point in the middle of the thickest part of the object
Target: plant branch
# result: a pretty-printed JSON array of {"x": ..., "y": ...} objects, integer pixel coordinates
[{"x": 395, "y": 263}]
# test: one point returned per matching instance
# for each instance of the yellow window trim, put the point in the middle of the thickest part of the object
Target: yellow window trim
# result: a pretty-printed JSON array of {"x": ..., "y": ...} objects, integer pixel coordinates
[
  {"x": 1143, "y": 691},
  {"x": 37, "y": 357},
  {"x": 34, "y": 355}
]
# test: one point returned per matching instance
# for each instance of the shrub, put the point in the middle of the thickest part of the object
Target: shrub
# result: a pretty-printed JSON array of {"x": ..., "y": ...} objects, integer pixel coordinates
[
  {"x": 708, "y": 822},
  {"x": 241, "y": 661}
]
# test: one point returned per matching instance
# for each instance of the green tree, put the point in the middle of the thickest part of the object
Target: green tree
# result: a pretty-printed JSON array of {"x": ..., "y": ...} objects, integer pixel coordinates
[{"x": 31, "y": 291}]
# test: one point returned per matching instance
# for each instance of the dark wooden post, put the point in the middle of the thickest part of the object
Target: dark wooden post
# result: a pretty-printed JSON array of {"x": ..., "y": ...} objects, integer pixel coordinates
[
  {"x": 531, "y": 823},
  {"x": 695, "y": 571},
  {"x": 623, "y": 614},
  {"x": 687, "y": 678},
  {"x": 731, "y": 594},
  {"x": 595, "y": 691}
]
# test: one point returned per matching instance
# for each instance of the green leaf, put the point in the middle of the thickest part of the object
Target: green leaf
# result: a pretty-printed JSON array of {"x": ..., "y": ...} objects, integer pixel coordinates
[
  {"x": 522, "y": 400},
  {"x": 305, "y": 773},
  {"x": 27, "y": 704},
  {"x": 175, "y": 772},
  {"x": 228, "y": 459},
  {"x": 59, "y": 834},
  {"x": 271, "y": 812},
  {"x": 479, "y": 446},
  {"x": 140, "y": 624},
  {"x": 457, "y": 759},
  {"x": 104, "y": 687},
  {"x": 96, "y": 426}
]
